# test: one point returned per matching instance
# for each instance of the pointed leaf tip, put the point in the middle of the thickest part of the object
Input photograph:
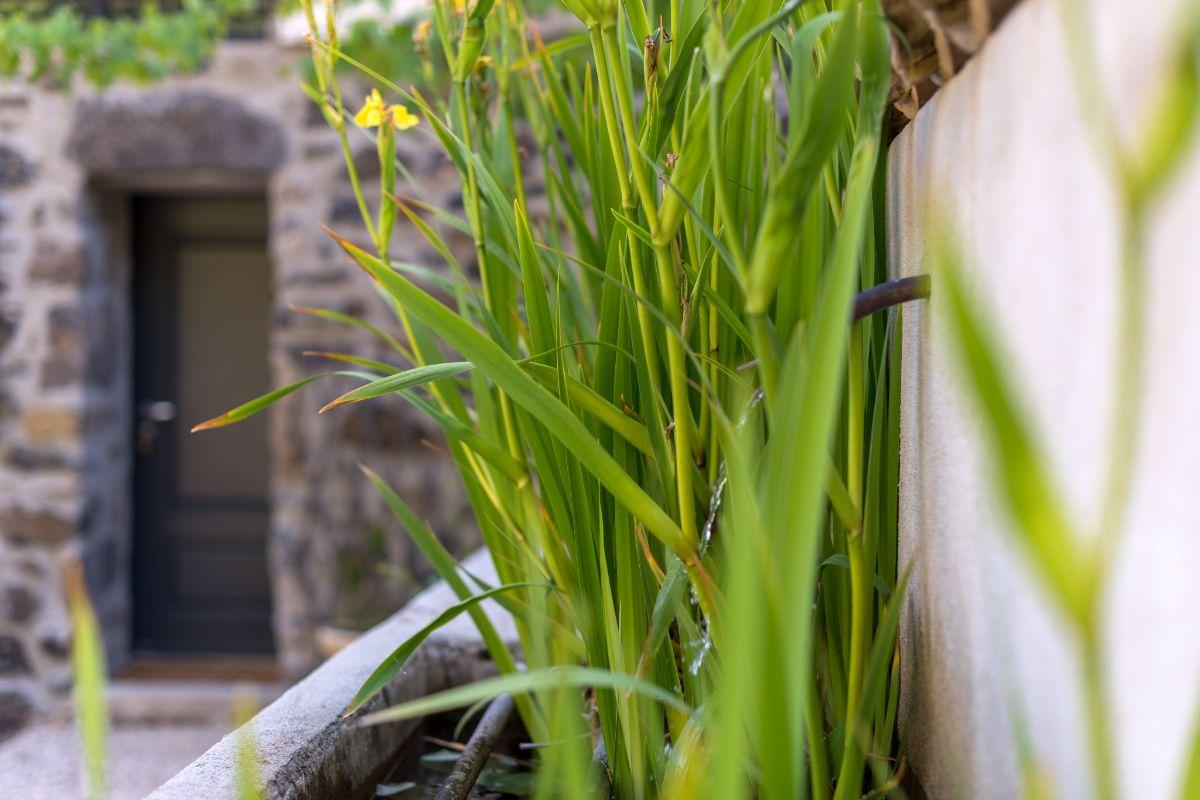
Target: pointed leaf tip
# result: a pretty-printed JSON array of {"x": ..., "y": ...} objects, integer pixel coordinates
[
  {"x": 337, "y": 237},
  {"x": 332, "y": 404},
  {"x": 256, "y": 405}
]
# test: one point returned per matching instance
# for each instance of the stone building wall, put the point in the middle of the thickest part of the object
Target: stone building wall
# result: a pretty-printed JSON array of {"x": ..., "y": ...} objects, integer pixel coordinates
[{"x": 68, "y": 166}]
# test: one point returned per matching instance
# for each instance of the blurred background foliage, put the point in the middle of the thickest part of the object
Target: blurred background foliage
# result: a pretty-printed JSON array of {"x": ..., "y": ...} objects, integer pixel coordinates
[
  {"x": 143, "y": 40},
  {"x": 104, "y": 41},
  {"x": 101, "y": 42}
]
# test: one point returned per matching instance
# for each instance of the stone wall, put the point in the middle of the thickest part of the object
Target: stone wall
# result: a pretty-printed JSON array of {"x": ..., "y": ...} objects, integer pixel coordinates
[
  {"x": 68, "y": 165},
  {"x": 61, "y": 324},
  {"x": 1004, "y": 154}
]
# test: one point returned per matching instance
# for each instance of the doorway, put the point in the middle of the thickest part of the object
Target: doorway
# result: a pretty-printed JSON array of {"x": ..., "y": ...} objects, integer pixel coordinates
[{"x": 202, "y": 300}]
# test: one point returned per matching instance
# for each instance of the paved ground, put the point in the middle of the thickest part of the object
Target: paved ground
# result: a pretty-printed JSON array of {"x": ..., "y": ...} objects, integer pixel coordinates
[
  {"x": 158, "y": 728},
  {"x": 42, "y": 762}
]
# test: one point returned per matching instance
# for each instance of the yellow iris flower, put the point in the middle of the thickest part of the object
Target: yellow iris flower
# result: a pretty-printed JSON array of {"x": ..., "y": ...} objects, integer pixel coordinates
[
  {"x": 375, "y": 112},
  {"x": 402, "y": 119},
  {"x": 371, "y": 114}
]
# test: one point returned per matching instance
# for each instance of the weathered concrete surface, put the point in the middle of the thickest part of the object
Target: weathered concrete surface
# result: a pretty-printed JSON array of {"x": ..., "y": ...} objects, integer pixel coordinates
[
  {"x": 1003, "y": 148},
  {"x": 305, "y": 748}
]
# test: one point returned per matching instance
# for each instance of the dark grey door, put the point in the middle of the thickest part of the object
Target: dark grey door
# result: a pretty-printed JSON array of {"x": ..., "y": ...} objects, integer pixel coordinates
[{"x": 202, "y": 300}]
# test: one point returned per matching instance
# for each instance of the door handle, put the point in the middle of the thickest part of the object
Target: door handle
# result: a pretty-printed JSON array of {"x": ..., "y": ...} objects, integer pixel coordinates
[
  {"x": 151, "y": 414},
  {"x": 159, "y": 411}
]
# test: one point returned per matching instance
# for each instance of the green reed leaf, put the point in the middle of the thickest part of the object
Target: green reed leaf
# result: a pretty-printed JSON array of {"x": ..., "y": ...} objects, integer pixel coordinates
[
  {"x": 526, "y": 392},
  {"x": 445, "y": 565},
  {"x": 792, "y": 187},
  {"x": 524, "y": 683},
  {"x": 1171, "y": 131},
  {"x": 348, "y": 319},
  {"x": 1191, "y": 776},
  {"x": 394, "y": 663},
  {"x": 417, "y": 376},
  {"x": 88, "y": 666},
  {"x": 456, "y": 429},
  {"x": 358, "y": 361},
  {"x": 249, "y": 409}
]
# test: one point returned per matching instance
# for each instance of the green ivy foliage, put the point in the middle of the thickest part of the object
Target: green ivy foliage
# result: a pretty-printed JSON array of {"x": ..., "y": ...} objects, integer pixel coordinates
[{"x": 60, "y": 42}]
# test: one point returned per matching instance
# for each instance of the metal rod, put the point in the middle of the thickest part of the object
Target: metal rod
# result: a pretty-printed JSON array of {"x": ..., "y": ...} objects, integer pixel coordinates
[
  {"x": 889, "y": 294},
  {"x": 475, "y": 754},
  {"x": 877, "y": 298}
]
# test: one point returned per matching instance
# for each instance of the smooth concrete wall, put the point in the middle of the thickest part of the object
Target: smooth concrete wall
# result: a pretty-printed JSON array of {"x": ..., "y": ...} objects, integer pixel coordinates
[{"x": 1004, "y": 152}]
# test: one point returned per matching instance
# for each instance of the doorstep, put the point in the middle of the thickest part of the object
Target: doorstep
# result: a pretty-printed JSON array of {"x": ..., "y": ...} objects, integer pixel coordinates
[
  {"x": 192, "y": 689},
  {"x": 186, "y": 702}
]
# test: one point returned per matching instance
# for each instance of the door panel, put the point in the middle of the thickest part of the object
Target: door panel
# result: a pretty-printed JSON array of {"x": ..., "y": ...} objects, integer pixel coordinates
[
  {"x": 202, "y": 304},
  {"x": 221, "y": 298}
]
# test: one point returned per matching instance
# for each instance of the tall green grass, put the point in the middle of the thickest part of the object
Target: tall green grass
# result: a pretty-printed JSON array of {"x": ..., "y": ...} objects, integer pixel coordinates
[{"x": 680, "y": 450}]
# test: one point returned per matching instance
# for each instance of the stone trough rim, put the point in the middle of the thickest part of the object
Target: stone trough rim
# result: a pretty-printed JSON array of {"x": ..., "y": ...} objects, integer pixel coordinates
[{"x": 306, "y": 749}]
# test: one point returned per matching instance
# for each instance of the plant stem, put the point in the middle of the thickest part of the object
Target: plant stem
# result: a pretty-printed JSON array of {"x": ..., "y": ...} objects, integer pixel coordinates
[
  {"x": 680, "y": 408},
  {"x": 609, "y": 113},
  {"x": 733, "y": 236},
  {"x": 471, "y": 189},
  {"x": 861, "y": 604},
  {"x": 1096, "y": 717},
  {"x": 814, "y": 724},
  {"x": 768, "y": 362},
  {"x": 641, "y": 180},
  {"x": 1127, "y": 387}
]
